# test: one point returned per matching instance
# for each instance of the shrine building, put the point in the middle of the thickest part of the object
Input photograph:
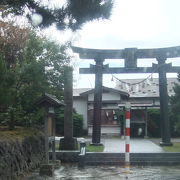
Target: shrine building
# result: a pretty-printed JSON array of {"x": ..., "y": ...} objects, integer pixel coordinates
[{"x": 142, "y": 97}]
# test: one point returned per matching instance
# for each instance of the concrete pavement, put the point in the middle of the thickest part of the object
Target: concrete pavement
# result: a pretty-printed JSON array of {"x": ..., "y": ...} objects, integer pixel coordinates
[
  {"x": 136, "y": 146},
  {"x": 117, "y": 145}
]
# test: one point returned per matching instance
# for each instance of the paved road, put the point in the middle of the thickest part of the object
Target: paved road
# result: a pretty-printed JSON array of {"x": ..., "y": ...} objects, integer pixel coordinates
[{"x": 136, "y": 146}]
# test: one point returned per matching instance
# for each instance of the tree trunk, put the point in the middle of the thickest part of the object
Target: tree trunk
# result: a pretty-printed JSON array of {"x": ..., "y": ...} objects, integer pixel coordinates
[{"x": 11, "y": 122}]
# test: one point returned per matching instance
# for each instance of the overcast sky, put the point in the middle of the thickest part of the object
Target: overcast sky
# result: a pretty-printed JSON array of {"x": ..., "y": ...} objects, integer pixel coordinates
[{"x": 133, "y": 23}]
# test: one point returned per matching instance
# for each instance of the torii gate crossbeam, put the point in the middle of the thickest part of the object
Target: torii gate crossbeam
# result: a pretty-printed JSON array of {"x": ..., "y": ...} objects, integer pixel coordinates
[{"x": 130, "y": 55}]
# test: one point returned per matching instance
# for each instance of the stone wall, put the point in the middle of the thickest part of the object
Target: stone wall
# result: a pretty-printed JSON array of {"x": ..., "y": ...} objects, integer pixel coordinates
[{"x": 16, "y": 157}]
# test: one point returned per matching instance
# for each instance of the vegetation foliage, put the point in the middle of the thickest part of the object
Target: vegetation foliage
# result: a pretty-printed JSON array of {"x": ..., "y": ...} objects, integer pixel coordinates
[
  {"x": 72, "y": 14},
  {"x": 174, "y": 115},
  {"x": 20, "y": 133},
  {"x": 77, "y": 124},
  {"x": 175, "y": 107},
  {"x": 91, "y": 148},
  {"x": 31, "y": 65},
  {"x": 25, "y": 75},
  {"x": 154, "y": 123}
]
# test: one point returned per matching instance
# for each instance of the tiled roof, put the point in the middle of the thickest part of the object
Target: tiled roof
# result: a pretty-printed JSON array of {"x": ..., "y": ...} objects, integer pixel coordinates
[
  {"x": 50, "y": 99},
  {"x": 148, "y": 88},
  {"x": 85, "y": 91},
  {"x": 78, "y": 91}
]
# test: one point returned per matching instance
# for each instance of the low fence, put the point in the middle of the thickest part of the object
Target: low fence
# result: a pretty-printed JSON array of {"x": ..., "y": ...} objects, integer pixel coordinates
[{"x": 100, "y": 158}]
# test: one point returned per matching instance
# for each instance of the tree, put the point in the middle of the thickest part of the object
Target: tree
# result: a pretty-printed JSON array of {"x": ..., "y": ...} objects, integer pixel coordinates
[
  {"x": 175, "y": 113},
  {"x": 5, "y": 83},
  {"x": 42, "y": 59},
  {"x": 77, "y": 123},
  {"x": 41, "y": 72},
  {"x": 27, "y": 75},
  {"x": 154, "y": 122},
  {"x": 12, "y": 42},
  {"x": 73, "y": 14}
]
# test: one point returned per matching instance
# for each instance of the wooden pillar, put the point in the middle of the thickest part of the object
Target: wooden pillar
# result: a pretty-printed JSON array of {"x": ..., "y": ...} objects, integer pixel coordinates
[
  {"x": 96, "y": 134},
  {"x": 54, "y": 139},
  {"x": 123, "y": 124},
  {"x": 146, "y": 123},
  {"x": 164, "y": 114},
  {"x": 46, "y": 136}
]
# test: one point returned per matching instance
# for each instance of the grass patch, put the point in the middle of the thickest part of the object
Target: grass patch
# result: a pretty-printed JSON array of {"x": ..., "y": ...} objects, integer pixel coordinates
[
  {"x": 174, "y": 148},
  {"x": 19, "y": 133},
  {"x": 91, "y": 148}
]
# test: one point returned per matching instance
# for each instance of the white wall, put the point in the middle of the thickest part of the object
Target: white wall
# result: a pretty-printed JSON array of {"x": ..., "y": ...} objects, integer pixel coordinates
[
  {"x": 110, "y": 130},
  {"x": 106, "y": 97},
  {"x": 80, "y": 105},
  {"x": 107, "y": 106},
  {"x": 154, "y": 101}
]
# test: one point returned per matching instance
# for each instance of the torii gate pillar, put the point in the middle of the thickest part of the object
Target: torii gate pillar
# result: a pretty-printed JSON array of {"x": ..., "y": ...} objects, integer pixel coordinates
[{"x": 164, "y": 115}]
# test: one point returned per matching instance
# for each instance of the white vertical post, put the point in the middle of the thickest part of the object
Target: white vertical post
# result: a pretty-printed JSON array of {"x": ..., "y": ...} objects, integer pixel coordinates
[{"x": 127, "y": 132}]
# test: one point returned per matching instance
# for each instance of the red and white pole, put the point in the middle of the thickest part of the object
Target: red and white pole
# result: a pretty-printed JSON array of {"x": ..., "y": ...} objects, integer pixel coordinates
[{"x": 127, "y": 138}]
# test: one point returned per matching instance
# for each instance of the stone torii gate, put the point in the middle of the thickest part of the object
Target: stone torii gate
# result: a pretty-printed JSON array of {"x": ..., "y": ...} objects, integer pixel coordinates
[{"x": 130, "y": 55}]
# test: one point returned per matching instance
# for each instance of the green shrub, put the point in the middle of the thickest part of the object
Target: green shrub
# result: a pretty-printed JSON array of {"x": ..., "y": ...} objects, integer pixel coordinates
[
  {"x": 77, "y": 124},
  {"x": 175, "y": 125},
  {"x": 154, "y": 128},
  {"x": 154, "y": 123}
]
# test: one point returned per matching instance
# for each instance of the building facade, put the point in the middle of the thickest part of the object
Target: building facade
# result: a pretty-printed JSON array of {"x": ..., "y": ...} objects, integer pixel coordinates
[
  {"x": 143, "y": 95},
  {"x": 83, "y": 104}
]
